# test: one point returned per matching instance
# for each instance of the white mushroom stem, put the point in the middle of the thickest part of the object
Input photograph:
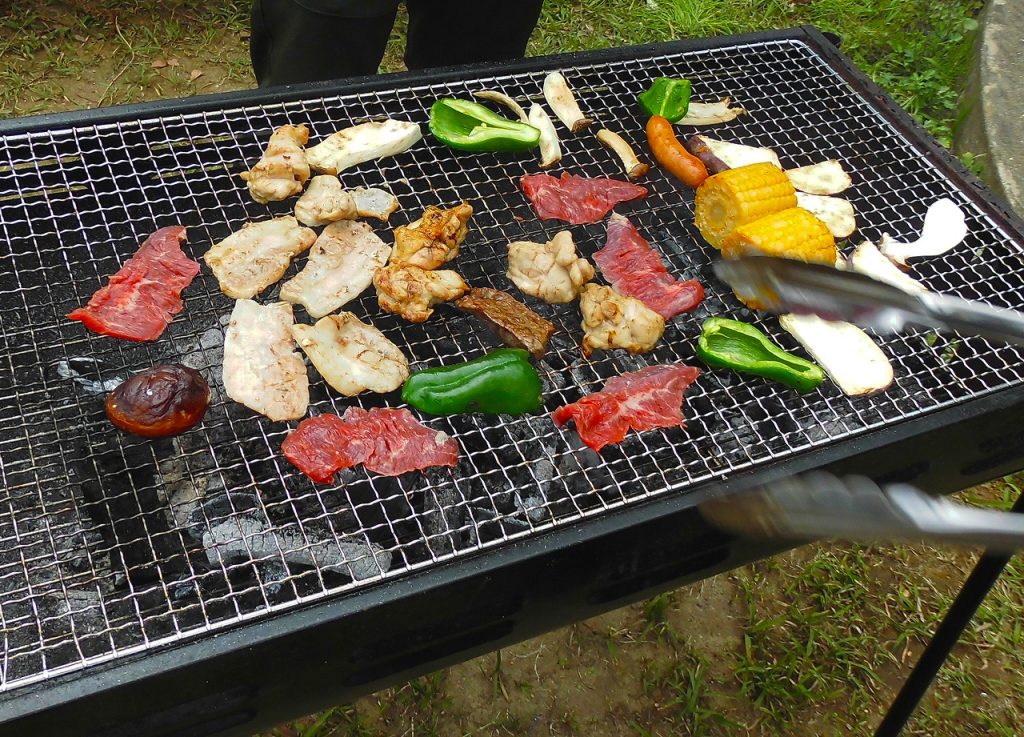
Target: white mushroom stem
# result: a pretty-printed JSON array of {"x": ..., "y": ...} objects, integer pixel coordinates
[
  {"x": 550, "y": 150},
  {"x": 502, "y": 99},
  {"x": 562, "y": 102},
  {"x": 845, "y": 352},
  {"x": 633, "y": 166}
]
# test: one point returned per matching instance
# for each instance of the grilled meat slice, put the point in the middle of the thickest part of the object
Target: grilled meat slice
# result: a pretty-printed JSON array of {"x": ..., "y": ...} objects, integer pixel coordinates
[
  {"x": 251, "y": 259},
  {"x": 515, "y": 324},
  {"x": 325, "y": 201},
  {"x": 340, "y": 266},
  {"x": 261, "y": 368},
  {"x": 282, "y": 170},
  {"x": 412, "y": 292},
  {"x": 352, "y": 356},
  {"x": 551, "y": 271},
  {"x": 434, "y": 239},
  {"x": 612, "y": 320}
]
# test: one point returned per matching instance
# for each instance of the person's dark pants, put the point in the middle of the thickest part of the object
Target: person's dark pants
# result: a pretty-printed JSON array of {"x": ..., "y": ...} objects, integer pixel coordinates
[{"x": 308, "y": 40}]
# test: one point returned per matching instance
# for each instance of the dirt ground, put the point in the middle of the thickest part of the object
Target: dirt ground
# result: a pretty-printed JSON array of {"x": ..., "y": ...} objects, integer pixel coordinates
[{"x": 811, "y": 643}]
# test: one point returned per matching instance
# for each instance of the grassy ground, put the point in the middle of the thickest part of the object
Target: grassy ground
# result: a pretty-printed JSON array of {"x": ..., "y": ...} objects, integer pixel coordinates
[{"x": 809, "y": 643}]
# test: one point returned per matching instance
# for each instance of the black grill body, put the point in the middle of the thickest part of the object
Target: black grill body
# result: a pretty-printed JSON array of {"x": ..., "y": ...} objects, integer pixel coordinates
[{"x": 117, "y": 617}]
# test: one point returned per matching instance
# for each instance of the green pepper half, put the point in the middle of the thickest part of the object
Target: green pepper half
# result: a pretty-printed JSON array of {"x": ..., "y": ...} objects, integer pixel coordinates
[
  {"x": 469, "y": 126},
  {"x": 501, "y": 382},
  {"x": 742, "y": 347},
  {"x": 667, "y": 97}
]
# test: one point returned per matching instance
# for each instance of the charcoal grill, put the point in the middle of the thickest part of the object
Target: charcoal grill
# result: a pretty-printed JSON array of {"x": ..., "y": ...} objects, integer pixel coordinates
[{"x": 202, "y": 585}]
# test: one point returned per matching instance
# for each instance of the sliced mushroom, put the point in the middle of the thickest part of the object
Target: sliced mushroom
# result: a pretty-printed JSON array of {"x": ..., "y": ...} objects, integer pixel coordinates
[
  {"x": 944, "y": 227},
  {"x": 867, "y": 259},
  {"x": 845, "y": 352},
  {"x": 835, "y": 212},
  {"x": 633, "y": 166},
  {"x": 502, "y": 99},
  {"x": 826, "y": 177},
  {"x": 562, "y": 102},
  {"x": 550, "y": 150},
  {"x": 710, "y": 113}
]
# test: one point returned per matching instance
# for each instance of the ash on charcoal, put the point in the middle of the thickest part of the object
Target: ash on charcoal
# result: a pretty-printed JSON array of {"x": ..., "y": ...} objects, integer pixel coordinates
[
  {"x": 86, "y": 373},
  {"x": 444, "y": 513},
  {"x": 233, "y": 529}
]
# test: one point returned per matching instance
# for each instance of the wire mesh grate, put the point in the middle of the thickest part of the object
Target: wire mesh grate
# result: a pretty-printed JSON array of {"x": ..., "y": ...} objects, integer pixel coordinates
[{"x": 111, "y": 545}]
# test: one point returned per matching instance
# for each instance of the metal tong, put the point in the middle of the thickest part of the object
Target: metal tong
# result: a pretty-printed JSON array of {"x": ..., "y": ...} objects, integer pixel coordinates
[
  {"x": 785, "y": 285},
  {"x": 818, "y": 504}
]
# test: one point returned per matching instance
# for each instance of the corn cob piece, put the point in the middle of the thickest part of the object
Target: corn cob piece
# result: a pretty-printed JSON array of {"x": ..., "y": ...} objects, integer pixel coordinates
[
  {"x": 793, "y": 233},
  {"x": 738, "y": 196}
]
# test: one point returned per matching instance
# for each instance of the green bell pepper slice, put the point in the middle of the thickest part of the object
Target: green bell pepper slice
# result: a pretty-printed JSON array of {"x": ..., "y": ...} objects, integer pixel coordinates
[
  {"x": 469, "y": 126},
  {"x": 667, "y": 97},
  {"x": 742, "y": 347},
  {"x": 502, "y": 382}
]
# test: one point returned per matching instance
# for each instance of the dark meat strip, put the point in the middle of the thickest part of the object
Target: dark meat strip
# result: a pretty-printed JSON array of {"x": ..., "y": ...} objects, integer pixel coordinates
[
  {"x": 639, "y": 400},
  {"x": 142, "y": 298},
  {"x": 387, "y": 441},
  {"x": 636, "y": 270},
  {"x": 577, "y": 200},
  {"x": 515, "y": 324}
]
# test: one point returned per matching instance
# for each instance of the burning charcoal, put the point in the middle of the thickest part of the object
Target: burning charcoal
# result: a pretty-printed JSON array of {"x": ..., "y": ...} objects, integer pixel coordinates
[
  {"x": 443, "y": 514},
  {"x": 247, "y": 535}
]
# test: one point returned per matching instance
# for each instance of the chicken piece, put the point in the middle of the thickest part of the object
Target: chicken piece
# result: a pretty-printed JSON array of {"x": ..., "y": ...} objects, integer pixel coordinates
[
  {"x": 282, "y": 170},
  {"x": 514, "y": 323},
  {"x": 434, "y": 239},
  {"x": 612, "y": 320},
  {"x": 325, "y": 201},
  {"x": 352, "y": 356},
  {"x": 251, "y": 259},
  {"x": 363, "y": 142},
  {"x": 340, "y": 266},
  {"x": 551, "y": 271},
  {"x": 412, "y": 292},
  {"x": 261, "y": 368}
]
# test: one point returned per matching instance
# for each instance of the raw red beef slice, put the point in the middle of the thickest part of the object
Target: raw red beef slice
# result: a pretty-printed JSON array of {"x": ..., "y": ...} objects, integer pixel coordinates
[
  {"x": 387, "y": 441},
  {"x": 577, "y": 200},
  {"x": 142, "y": 298},
  {"x": 640, "y": 400},
  {"x": 636, "y": 270}
]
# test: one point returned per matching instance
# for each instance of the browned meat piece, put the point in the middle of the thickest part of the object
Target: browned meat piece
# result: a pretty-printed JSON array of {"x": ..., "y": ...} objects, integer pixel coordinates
[
  {"x": 412, "y": 292},
  {"x": 434, "y": 239},
  {"x": 514, "y": 323},
  {"x": 282, "y": 170}
]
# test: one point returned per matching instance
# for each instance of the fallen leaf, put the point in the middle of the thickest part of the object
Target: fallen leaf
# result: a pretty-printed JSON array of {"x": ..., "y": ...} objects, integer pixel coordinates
[
  {"x": 159, "y": 63},
  {"x": 195, "y": 74},
  {"x": 173, "y": 62},
  {"x": 80, "y": 38}
]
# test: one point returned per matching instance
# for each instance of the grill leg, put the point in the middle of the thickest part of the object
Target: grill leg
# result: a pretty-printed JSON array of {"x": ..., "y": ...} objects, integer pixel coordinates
[{"x": 975, "y": 588}]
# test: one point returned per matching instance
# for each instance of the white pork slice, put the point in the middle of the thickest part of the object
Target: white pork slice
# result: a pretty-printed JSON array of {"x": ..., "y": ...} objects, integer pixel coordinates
[
  {"x": 363, "y": 142},
  {"x": 251, "y": 259},
  {"x": 262, "y": 370},
  {"x": 340, "y": 266},
  {"x": 352, "y": 356},
  {"x": 374, "y": 203}
]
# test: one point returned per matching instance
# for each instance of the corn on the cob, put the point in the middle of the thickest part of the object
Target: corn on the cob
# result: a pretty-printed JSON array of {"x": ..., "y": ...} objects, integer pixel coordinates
[
  {"x": 737, "y": 196},
  {"x": 794, "y": 233}
]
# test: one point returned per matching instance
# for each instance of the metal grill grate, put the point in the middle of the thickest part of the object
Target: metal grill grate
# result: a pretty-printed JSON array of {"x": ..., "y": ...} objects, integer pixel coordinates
[{"x": 110, "y": 545}]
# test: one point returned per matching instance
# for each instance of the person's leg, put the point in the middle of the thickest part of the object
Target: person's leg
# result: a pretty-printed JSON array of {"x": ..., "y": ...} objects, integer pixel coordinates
[
  {"x": 446, "y": 32},
  {"x": 294, "y": 41}
]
